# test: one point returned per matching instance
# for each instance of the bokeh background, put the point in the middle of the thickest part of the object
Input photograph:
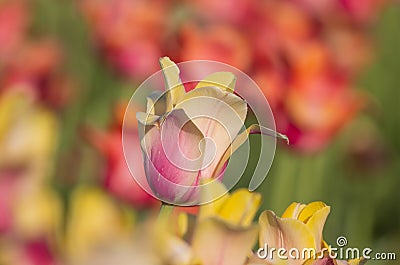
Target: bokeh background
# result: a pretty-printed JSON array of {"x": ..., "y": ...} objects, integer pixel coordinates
[{"x": 329, "y": 70}]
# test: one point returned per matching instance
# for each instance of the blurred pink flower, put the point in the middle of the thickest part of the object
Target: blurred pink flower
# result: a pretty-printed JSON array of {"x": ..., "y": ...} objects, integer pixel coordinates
[
  {"x": 129, "y": 33},
  {"x": 13, "y": 24},
  {"x": 138, "y": 60},
  {"x": 36, "y": 67},
  {"x": 216, "y": 42},
  {"x": 276, "y": 25},
  {"x": 7, "y": 192},
  {"x": 281, "y": 44},
  {"x": 350, "y": 48},
  {"x": 317, "y": 109},
  {"x": 231, "y": 11},
  {"x": 118, "y": 179},
  {"x": 362, "y": 12},
  {"x": 32, "y": 252}
]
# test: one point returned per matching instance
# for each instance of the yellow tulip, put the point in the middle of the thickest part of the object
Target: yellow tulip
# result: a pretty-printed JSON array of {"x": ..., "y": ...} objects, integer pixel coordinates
[
  {"x": 299, "y": 234},
  {"x": 225, "y": 234},
  {"x": 37, "y": 212},
  {"x": 94, "y": 219}
]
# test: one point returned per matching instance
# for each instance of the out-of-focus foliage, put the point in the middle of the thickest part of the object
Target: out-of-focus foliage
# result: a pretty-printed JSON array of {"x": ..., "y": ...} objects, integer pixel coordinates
[{"x": 67, "y": 68}]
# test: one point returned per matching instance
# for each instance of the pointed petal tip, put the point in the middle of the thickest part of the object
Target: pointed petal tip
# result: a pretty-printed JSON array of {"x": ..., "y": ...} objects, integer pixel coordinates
[{"x": 283, "y": 137}]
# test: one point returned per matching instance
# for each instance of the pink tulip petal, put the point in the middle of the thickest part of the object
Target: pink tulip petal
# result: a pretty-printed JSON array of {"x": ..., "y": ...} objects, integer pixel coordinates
[{"x": 172, "y": 155}]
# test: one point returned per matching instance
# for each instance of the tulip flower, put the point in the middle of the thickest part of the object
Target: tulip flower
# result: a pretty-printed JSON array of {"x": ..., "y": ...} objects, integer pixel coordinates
[
  {"x": 228, "y": 222},
  {"x": 217, "y": 42},
  {"x": 182, "y": 139},
  {"x": 299, "y": 228},
  {"x": 223, "y": 234},
  {"x": 317, "y": 109},
  {"x": 94, "y": 219},
  {"x": 128, "y": 32}
]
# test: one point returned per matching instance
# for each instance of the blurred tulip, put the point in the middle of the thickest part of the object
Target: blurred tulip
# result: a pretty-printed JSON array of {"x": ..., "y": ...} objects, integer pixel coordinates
[
  {"x": 129, "y": 33},
  {"x": 276, "y": 42},
  {"x": 317, "y": 109},
  {"x": 364, "y": 12},
  {"x": 28, "y": 134},
  {"x": 35, "y": 60},
  {"x": 308, "y": 60},
  {"x": 350, "y": 48},
  {"x": 36, "y": 68},
  {"x": 37, "y": 213},
  {"x": 34, "y": 252},
  {"x": 94, "y": 219},
  {"x": 137, "y": 60},
  {"x": 35, "y": 224},
  {"x": 229, "y": 222},
  {"x": 28, "y": 137},
  {"x": 118, "y": 180},
  {"x": 13, "y": 24},
  {"x": 236, "y": 12},
  {"x": 277, "y": 25},
  {"x": 272, "y": 84},
  {"x": 7, "y": 195},
  {"x": 216, "y": 42}
]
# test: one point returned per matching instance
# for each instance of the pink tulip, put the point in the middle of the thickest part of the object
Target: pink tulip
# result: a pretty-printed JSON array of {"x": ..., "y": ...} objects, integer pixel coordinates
[{"x": 188, "y": 137}]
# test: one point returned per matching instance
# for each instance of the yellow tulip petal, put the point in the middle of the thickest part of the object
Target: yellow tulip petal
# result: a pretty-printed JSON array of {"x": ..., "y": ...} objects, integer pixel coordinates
[
  {"x": 156, "y": 103},
  {"x": 93, "y": 219},
  {"x": 174, "y": 250},
  {"x": 12, "y": 103},
  {"x": 293, "y": 210},
  {"x": 37, "y": 212},
  {"x": 229, "y": 246},
  {"x": 309, "y": 210},
  {"x": 146, "y": 118},
  {"x": 316, "y": 224},
  {"x": 210, "y": 191},
  {"x": 183, "y": 223},
  {"x": 284, "y": 233},
  {"x": 223, "y": 80},
  {"x": 241, "y": 207},
  {"x": 173, "y": 85}
]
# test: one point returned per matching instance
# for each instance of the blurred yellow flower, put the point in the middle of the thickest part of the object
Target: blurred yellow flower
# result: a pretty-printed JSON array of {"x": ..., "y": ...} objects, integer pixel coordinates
[
  {"x": 38, "y": 212},
  {"x": 225, "y": 233},
  {"x": 94, "y": 220},
  {"x": 28, "y": 134}
]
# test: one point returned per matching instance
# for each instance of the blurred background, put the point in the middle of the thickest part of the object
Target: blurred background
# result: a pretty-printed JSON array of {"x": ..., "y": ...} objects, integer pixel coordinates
[{"x": 329, "y": 70}]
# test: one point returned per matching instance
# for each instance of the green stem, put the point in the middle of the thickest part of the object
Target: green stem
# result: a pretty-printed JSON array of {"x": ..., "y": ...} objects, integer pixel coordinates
[{"x": 165, "y": 213}]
